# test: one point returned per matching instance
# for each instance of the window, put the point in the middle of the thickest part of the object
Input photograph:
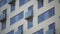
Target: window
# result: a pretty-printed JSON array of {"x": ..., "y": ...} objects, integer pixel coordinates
[
  {"x": 50, "y": 1},
  {"x": 3, "y": 25},
  {"x": 46, "y": 15},
  {"x": 5, "y": 13},
  {"x": 3, "y": 19},
  {"x": 16, "y": 18},
  {"x": 22, "y": 2},
  {"x": 29, "y": 17},
  {"x": 30, "y": 9},
  {"x": 40, "y": 3},
  {"x": 40, "y": 18},
  {"x": 3, "y": 2},
  {"x": 20, "y": 28},
  {"x": 30, "y": 23},
  {"x": 39, "y": 32},
  {"x": 11, "y": 32},
  {"x": 29, "y": 13},
  {"x": 52, "y": 26},
  {"x": 12, "y": 5}
]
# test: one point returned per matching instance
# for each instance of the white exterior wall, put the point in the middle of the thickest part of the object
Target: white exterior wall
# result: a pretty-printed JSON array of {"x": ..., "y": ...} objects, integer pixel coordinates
[{"x": 37, "y": 12}]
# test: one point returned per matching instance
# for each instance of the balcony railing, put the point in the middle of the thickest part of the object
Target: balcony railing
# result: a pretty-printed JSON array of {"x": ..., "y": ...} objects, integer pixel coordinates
[
  {"x": 51, "y": 31},
  {"x": 19, "y": 32},
  {"x": 3, "y": 16},
  {"x": 10, "y": 1},
  {"x": 28, "y": 14}
]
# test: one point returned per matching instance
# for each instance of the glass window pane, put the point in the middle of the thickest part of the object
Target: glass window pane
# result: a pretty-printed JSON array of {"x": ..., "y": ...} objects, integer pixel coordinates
[
  {"x": 49, "y": 13},
  {"x": 41, "y": 18},
  {"x": 40, "y": 3},
  {"x": 30, "y": 24},
  {"x": 20, "y": 28},
  {"x": 3, "y": 2},
  {"x": 16, "y": 18},
  {"x": 52, "y": 26},
  {"x": 22, "y": 2},
  {"x": 46, "y": 15},
  {"x": 39, "y": 32},
  {"x": 3, "y": 25}
]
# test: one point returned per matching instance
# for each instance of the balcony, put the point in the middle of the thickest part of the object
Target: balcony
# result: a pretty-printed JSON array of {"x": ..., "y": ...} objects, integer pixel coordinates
[
  {"x": 19, "y": 32},
  {"x": 10, "y": 1},
  {"x": 29, "y": 14},
  {"x": 51, "y": 31},
  {"x": 2, "y": 17}
]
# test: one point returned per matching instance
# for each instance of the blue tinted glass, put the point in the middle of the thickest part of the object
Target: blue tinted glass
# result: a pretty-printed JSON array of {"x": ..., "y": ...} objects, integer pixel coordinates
[
  {"x": 40, "y": 3},
  {"x": 52, "y": 26},
  {"x": 16, "y": 18},
  {"x": 39, "y": 32},
  {"x": 3, "y": 2},
  {"x": 30, "y": 24},
  {"x": 12, "y": 8},
  {"x": 49, "y": 1},
  {"x": 3, "y": 25},
  {"x": 12, "y": 21},
  {"x": 22, "y": 2},
  {"x": 46, "y": 15},
  {"x": 20, "y": 28},
  {"x": 49, "y": 13},
  {"x": 29, "y": 13},
  {"x": 30, "y": 9},
  {"x": 11, "y": 32},
  {"x": 41, "y": 18}
]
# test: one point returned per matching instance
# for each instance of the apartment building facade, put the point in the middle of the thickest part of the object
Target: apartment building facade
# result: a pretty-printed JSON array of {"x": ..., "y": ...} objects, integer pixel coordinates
[{"x": 29, "y": 16}]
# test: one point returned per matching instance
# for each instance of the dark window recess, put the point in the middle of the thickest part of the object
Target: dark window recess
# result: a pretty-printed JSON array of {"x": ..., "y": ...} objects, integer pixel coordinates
[{"x": 40, "y": 3}]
